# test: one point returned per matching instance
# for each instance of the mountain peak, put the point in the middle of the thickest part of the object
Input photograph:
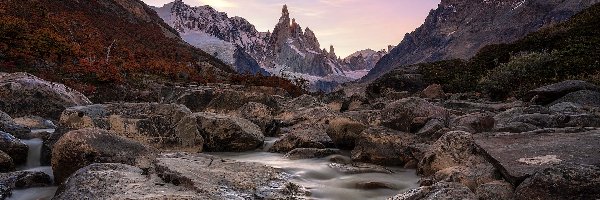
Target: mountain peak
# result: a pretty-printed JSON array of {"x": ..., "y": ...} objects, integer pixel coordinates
[{"x": 285, "y": 12}]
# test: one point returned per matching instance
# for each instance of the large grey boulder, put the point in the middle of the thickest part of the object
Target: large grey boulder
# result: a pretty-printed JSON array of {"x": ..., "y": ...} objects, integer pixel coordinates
[
  {"x": 165, "y": 126},
  {"x": 14, "y": 147},
  {"x": 8, "y": 124},
  {"x": 80, "y": 148},
  {"x": 23, "y": 94},
  {"x": 302, "y": 136},
  {"x": 585, "y": 98},
  {"x": 548, "y": 94},
  {"x": 410, "y": 114},
  {"x": 227, "y": 133},
  {"x": 384, "y": 146}
]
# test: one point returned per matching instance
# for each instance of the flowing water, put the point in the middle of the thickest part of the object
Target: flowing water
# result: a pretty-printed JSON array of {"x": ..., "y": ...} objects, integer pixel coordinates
[
  {"x": 324, "y": 182},
  {"x": 34, "y": 164}
]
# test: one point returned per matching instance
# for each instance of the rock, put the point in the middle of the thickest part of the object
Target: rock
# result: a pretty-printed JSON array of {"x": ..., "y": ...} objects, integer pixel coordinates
[
  {"x": 344, "y": 132},
  {"x": 384, "y": 146},
  {"x": 497, "y": 190},
  {"x": 518, "y": 156},
  {"x": 472, "y": 175},
  {"x": 367, "y": 117},
  {"x": 456, "y": 148},
  {"x": 308, "y": 153},
  {"x": 7, "y": 124},
  {"x": 119, "y": 181},
  {"x": 398, "y": 81},
  {"x": 80, "y": 148},
  {"x": 440, "y": 190},
  {"x": 164, "y": 126},
  {"x": 359, "y": 168},
  {"x": 585, "y": 98},
  {"x": 6, "y": 163},
  {"x": 22, "y": 180},
  {"x": 469, "y": 106},
  {"x": 35, "y": 122},
  {"x": 433, "y": 130},
  {"x": 315, "y": 116},
  {"x": 226, "y": 133},
  {"x": 304, "y": 101},
  {"x": 475, "y": 122},
  {"x": 258, "y": 114},
  {"x": 373, "y": 185},
  {"x": 303, "y": 136},
  {"x": 564, "y": 181},
  {"x": 216, "y": 178},
  {"x": 23, "y": 94},
  {"x": 434, "y": 91},
  {"x": 550, "y": 93},
  {"x": 400, "y": 115},
  {"x": 515, "y": 127},
  {"x": 567, "y": 108},
  {"x": 14, "y": 147}
]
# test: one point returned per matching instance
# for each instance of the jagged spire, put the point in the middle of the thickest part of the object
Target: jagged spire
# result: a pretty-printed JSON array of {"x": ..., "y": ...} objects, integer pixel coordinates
[{"x": 284, "y": 11}]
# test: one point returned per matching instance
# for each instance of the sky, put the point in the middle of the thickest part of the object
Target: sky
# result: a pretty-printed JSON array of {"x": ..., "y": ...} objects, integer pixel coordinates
[{"x": 348, "y": 25}]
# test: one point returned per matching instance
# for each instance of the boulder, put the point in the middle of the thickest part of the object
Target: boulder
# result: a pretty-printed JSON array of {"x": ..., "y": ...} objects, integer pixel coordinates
[
  {"x": 434, "y": 91},
  {"x": 6, "y": 163},
  {"x": 440, "y": 190},
  {"x": 411, "y": 114},
  {"x": 585, "y": 98},
  {"x": 303, "y": 136},
  {"x": 316, "y": 116},
  {"x": 23, "y": 94},
  {"x": 472, "y": 175},
  {"x": 433, "y": 130},
  {"x": 498, "y": 190},
  {"x": 80, "y": 148},
  {"x": 7, "y": 124},
  {"x": 367, "y": 117},
  {"x": 164, "y": 126},
  {"x": 22, "y": 180},
  {"x": 360, "y": 168},
  {"x": 518, "y": 156},
  {"x": 227, "y": 133},
  {"x": 384, "y": 146},
  {"x": 564, "y": 181},
  {"x": 35, "y": 122},
  {"x": 308, "y": 153},
  {"x": 548, "y": 94},
  {"x": 216, "y": 178},
  {"x": 474, "y": 122},
  {"x": 260, "y": 115},
  {"x": 14, "y": 147},
  {"x": 455, "y": 148},
  {"x": 119, "y": 181},
  {"x": 398, "y": 81},
  {"x": 304, "y": 101},
  {"x": 344, "y": 132}
]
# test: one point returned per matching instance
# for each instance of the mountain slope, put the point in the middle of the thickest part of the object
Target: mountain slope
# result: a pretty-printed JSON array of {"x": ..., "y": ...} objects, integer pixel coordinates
[{"x": 459, "y": 28}]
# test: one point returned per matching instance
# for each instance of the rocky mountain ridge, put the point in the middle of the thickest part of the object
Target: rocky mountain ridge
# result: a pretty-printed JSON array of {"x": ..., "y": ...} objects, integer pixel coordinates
[{"x": 459, "y": 28}]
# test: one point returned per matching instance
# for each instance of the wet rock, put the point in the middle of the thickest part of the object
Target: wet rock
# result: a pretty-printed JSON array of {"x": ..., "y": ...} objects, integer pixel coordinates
[
  {"x": 497, "y": 190},
  {"x": 475, "y": 122},
  {"x": 77, "y": 149},
  {"x": 564, "y": 181},
  {"x": 7, "y": 124},
  {"x": 258, "y": 114},
  {"x": 216, "y": 178},
  {"x": 22, "y": 180},
  {"x": 303, "y": 136},
  {"x": 400, "y": 115},
  {"x": 14, "y": 147},
  {"x": 227, "y": 133},
  {"x": 384, "y": 146},
  {"x": 23, "y": 94},
  {"x": 308, "y": 153},
  {"x": 35, "y": 122},
  {"x": 344, "y": 132},
  {"x": 6, "y": 163},
  {"x": 359, "y": 168},
  {"x": 434, "y": 91},
  {"x": 164, "y": 126},
  {"x": 549, "y": 93},
  {"x": 119, "y": 181},
  {"x": 440, "y": 190},
  {"x": 518, "y": 156},
  {"x": 456, "y": 148}
]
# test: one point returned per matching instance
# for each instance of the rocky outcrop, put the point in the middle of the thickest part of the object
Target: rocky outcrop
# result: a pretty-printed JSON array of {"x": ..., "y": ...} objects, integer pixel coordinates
[
  {"x": 459, "y": 29},
  {"x": 383, "y": 146},
  {"x": 23, "y": 94},
  {"x": 159, "y": 125},
  {"x": 564, "y": 181},
  {"x": 226, "y": 133},
  {"x": 14, "y": 147},
  {"x": 80, "y": 148}
]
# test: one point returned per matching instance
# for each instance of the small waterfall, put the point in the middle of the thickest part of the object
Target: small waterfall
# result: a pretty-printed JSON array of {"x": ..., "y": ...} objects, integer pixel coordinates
[
  {"x": 35, "y": 152},
  {"x": 269, "y": 141}
]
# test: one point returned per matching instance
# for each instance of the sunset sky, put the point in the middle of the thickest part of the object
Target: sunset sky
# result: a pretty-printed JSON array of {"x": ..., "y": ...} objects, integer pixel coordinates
[{"x": 349, "y": 25}]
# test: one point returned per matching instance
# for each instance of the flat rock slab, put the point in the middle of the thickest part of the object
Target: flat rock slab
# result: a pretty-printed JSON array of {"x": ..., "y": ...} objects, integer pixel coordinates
[{"x": 518, "y": 156}]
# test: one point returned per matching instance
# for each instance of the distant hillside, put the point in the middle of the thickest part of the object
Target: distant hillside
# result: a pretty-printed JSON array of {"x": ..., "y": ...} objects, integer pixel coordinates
[{"x": 569, "y": 50}]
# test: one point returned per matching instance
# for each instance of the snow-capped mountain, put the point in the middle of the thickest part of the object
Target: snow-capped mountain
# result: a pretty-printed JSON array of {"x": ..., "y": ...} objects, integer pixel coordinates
[
  {"x": 288, "y": 51},
  {"x": 358, "y": 64}
]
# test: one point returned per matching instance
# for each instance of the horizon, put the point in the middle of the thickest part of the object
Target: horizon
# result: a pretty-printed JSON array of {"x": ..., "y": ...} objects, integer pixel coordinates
[{"x": 348, "y": 25}]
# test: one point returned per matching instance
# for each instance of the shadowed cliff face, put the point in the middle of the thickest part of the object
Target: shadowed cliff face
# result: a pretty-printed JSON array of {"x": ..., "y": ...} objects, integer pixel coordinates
[{"x": 459, "y": 28}]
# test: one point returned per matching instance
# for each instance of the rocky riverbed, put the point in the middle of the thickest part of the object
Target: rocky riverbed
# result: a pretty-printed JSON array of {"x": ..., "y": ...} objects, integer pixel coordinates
[{"x": 233, "y": 142}]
